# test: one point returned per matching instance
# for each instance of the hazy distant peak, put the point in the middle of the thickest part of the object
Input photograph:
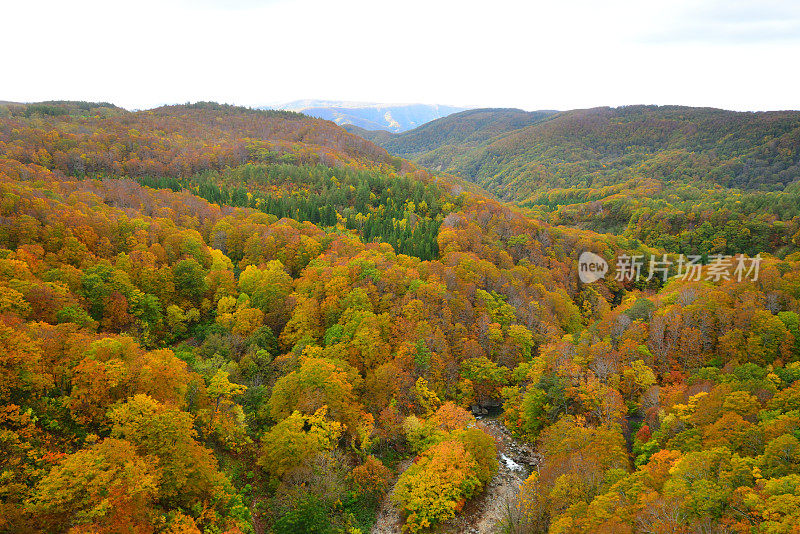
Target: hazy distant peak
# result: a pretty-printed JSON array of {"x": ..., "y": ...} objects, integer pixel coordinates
[{"x": 371, "y": 115}]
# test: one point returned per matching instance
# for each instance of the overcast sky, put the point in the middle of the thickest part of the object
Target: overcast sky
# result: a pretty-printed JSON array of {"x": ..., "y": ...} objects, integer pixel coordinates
[{"x": 559, "y": 54}]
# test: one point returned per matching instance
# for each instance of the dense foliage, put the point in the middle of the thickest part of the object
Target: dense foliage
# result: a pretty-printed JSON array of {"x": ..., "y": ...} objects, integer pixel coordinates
[
  {"x": 442, "y": 140},
  {"x": 214, "y": 320},
  {"x": 682, "y": 179},
  {"x": 398, "y": 210},
  {"x": 702, "y": 387}
]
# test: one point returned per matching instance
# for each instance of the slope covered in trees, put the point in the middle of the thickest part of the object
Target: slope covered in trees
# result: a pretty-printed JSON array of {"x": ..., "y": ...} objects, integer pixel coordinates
[
  {"x": 594, "y": 147},
  {"x": 686, "y": 179},
  {"x": 438, "y": 143},
  {"x": 173, "y": 140},
  {"x": 214, "y": 319}
]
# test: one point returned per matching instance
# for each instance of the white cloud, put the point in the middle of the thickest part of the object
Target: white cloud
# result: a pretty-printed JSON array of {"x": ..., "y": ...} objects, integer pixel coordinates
[
  {"x": 534, "y": 55},
  {"x": 730, "y": 22}
]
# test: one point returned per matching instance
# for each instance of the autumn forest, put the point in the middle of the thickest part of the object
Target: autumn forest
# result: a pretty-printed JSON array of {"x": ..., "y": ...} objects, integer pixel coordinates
[{"x": 216, "y": 319}]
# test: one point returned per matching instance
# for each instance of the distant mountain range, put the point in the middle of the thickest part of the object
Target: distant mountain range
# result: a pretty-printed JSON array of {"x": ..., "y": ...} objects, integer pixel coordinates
[{"x": 370, "y": 116}]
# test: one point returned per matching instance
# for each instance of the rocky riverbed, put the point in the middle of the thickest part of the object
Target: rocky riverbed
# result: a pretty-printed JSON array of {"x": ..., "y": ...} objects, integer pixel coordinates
[{"x": 482, "y": 514}]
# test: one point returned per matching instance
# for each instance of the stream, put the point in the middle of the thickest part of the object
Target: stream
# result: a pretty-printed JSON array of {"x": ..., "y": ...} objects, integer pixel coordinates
[{"x": 481, "y": 514}]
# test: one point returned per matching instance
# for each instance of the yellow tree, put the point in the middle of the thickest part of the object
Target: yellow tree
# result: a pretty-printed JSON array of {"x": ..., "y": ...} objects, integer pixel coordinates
[{"x": 106, "y": 488}]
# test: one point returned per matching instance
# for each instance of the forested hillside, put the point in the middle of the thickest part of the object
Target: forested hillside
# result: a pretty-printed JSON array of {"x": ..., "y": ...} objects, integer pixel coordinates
[
  {"x": 215, "y": 319},
  {"x": 439, "y": 143},
  {"x": 685, "y": 179}
]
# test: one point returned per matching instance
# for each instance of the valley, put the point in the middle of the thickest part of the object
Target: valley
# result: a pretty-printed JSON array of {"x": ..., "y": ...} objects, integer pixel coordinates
[
  {"x": 353, "y": 267},
  {"x": 217, "y": 319},
  {"x": 678, "y": 178}
]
